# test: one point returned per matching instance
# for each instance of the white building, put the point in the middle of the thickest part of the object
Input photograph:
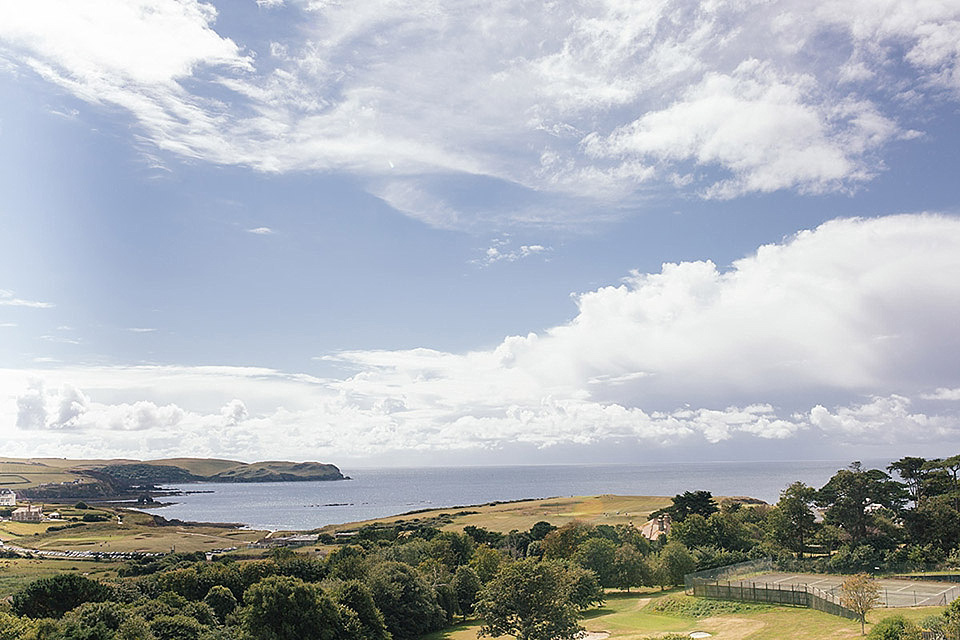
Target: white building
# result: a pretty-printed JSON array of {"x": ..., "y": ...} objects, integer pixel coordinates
[{"x": 7, "y": 498}]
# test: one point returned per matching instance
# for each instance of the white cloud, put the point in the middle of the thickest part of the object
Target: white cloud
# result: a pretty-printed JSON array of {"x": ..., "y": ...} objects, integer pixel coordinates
[
  {"x": 501, "y": 250},
  {"x": 234, "y": 412},
  {"x": 884, "y": 419},
  {"x": 786, "y": 343},
  {"x": 261, "y": 231},
  {"x": 761, "y": 126},
  {"x": 600, "y": 101},
  {"x": 8, "y": 299},
  {"x": 60, "y": 339},
  {"x": 141, "y": 329},
  {"x": 943, "y": 394}
]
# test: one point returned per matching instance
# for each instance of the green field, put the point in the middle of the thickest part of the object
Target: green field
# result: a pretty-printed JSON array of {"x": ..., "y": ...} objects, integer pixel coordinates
[
  {"x": 136, "y": 533},
  {"x": 15, "y": 573},
  {"x": 633, "y": 617}
]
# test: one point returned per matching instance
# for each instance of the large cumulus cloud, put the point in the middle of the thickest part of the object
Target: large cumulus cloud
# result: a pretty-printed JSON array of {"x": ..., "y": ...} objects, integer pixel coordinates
[{"x": 845, "y": 332}]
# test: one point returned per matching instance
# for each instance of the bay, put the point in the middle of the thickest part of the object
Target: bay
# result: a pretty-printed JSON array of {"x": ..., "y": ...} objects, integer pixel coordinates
[{"x": 374, "y": 493}]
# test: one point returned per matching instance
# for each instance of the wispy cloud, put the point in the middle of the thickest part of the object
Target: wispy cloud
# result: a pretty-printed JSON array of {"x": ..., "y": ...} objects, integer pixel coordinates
[
  {"x": 60, "y": 339},
  {"x": 605, "y": 101},
  {"x": 261, "y": 231},
  {"x": 141, "y": 329},
  {"x": 501, "y": 250},
  {"x": 8, "y": 299}
]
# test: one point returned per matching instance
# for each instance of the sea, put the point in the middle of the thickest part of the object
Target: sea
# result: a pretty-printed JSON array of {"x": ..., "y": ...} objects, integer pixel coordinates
[{"x": 375, "y": 493}]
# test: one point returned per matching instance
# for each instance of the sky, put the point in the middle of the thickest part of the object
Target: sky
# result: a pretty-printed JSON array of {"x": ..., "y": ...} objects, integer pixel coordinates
[{"x": 452, "y": 233}]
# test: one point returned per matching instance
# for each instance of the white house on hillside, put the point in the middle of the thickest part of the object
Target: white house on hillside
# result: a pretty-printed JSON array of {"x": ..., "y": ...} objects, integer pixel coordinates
[{"x": 7, "y": 498}]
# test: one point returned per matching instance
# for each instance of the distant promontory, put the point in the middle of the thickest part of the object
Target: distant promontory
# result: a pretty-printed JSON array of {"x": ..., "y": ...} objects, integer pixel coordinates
[{"x": 57, "y": 478}]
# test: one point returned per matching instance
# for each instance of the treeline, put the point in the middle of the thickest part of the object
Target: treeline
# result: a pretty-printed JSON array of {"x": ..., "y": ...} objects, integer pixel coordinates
[
  {"x": 405, "y": 581},
  {"x": 902, "y": 518}
]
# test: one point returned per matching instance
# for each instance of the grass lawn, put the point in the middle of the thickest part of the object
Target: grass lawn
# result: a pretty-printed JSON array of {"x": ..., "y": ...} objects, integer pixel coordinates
[
  {"x": 15, "y": 573},
  {"x": 632, "y": 617}
]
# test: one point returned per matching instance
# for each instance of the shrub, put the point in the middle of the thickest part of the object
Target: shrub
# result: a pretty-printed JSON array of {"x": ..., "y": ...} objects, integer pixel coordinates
[{"x": 53, "y": 596}]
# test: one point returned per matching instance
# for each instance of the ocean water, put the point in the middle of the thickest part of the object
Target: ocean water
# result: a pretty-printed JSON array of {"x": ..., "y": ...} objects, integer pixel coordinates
[{"x": 373, "y": 493}]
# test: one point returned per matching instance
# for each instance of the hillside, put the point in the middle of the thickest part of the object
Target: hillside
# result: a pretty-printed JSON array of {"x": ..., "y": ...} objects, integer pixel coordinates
[
  {"x": 522, "y": 514},
  {"x": 62, "y": 479}
]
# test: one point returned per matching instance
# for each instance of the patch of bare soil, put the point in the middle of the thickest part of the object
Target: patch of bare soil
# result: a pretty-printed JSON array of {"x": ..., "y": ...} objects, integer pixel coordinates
[{"x": 726, "y": 628}]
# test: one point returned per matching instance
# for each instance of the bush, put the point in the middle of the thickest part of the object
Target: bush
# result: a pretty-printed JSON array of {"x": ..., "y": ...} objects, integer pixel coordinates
[
  {"x": 95, "y": 517},
  {"x": 178, "y": 627},
  {"x": 53, "y": 596},
  {"x": 683, "y": 606},
  {"x": 894, "y": 628}
]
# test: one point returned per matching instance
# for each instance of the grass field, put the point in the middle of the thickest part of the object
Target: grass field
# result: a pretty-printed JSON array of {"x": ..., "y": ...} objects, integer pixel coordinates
[
  {"x": 632, "y": 617},
  {"x": 20, "y": 474},
  {"x": 136, "y": 533},
  {"x": 18, "y": 572},
  {"x": 521, "y": 515}
]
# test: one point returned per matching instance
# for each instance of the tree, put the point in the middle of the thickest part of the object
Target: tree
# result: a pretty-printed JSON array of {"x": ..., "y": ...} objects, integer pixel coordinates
[
  {"x": 586, "y": 588},
  {"x": 860, "y": 593},
  {"x": 466, "y": 585},
  {"x": 676, "y": 561},
  {"x": 629, "y": 567},
  {"x": 14, "y": 628},
  {"x": 563, "y": 542},
  {"x": 540, "y": 529},
  {"x": 530, "y": 600},
  {"x": 221, "y": 600},
  {"x": 356, "y": 596},
  {"x": 94, "y": 620},
  {"x": 598, "y": 555},
  {"x": 53, "y": 596},
  {"x": 178, "y": 627},
  {"x": 935, "y": 522},
  {"x": 286, "y": 608},
  {"x": 849, "y": 493},
  {"x": 408, "y": 604},
  {"x": 693, "y": 531},
  {"x": 486, "y": 562},
  {"x": 690, "y": 502},
  {"x": 793, "y": 521},
  {"x": 913, "y": 470}
]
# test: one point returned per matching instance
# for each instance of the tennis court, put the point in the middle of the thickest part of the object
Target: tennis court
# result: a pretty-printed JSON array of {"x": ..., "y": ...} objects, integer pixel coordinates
[{"x": 893, "y": 593}]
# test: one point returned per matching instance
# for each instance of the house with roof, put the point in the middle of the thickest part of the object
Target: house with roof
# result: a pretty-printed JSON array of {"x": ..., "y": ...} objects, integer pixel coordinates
[
  {"x": 659, "y": 526},
  {"x": 8, "y": 498},
  {"x": 29, "y": 513}
]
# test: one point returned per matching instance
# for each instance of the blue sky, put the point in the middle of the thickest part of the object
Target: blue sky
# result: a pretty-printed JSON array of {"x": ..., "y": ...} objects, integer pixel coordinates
[{"x": 450, "y": 233}]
